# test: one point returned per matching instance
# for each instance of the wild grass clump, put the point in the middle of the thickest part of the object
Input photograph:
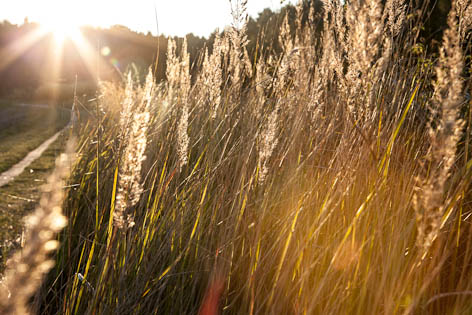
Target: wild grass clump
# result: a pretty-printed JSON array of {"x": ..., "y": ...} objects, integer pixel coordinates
[{"x": 330, "y": 179}]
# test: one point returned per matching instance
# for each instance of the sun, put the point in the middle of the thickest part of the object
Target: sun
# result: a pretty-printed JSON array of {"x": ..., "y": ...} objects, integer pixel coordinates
[
  {"x": 61, "y": 18},
  {"x": 62, "y": 29},
  {"x": 61, "y": 23}
]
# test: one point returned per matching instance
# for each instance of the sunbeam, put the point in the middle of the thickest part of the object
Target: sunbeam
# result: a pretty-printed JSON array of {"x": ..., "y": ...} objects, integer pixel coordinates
[
  {"x": 62, "y": 28},
  {"x": 17, "y": 48}
]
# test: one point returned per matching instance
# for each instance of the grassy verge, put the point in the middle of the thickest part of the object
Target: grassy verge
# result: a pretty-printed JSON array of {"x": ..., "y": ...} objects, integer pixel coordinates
[
  {"x": 23, "y": 129},
  {"x": 20, "y": 196}
]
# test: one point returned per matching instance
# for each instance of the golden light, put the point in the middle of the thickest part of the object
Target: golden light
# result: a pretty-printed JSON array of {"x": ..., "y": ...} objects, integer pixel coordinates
[
  {"x": 62, "y": 29},
  {"x": 65, "y": 25}
]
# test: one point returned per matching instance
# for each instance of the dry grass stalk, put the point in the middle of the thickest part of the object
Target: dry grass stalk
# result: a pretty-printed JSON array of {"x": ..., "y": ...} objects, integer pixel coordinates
[
  {"x": 329, "y": 64},
  {"x": 395, "y": 14},
  {"x": 178, "y": 89},
  {"x": 288, "y": 62},
  {"x": 365, "y": 25},
  {"x": 444, "y": 132},
  {"x": 129, "y": 185},
  {"x": 239, "y": 63},
  {"x": 464, "y": 12},
  {"x": 269, "y": 142},
  {"x": 172, "y": 72},
  {"x": 262, "y": 84},
  {"x": 183, "y": 138},
  {"x": 212, "y": 76},
  {"x": 126, "y": 108}
]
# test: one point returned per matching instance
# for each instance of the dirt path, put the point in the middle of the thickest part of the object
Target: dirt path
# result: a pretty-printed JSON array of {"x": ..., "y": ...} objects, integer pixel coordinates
[{"x": 19, "y": 167}]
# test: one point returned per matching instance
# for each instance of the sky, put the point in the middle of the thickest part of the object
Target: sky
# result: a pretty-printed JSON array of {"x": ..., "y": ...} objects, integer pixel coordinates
[{"x": 175, "y": 17}]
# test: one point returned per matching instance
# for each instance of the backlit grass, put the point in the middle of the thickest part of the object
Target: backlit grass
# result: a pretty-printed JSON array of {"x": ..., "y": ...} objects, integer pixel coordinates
[{"x": 333, "y": 178}]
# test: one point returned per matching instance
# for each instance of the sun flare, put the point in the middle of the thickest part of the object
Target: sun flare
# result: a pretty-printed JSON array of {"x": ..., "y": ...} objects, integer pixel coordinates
[{"x": 62, "y": 29}]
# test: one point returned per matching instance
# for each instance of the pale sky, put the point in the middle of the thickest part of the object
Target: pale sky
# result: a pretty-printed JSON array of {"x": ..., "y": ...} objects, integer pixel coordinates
[{"x": 176, "y": 17}]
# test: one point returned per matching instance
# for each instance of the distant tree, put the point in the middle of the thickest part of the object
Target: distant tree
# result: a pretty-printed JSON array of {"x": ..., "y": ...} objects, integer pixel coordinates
[{"x": 128, "y": 49}]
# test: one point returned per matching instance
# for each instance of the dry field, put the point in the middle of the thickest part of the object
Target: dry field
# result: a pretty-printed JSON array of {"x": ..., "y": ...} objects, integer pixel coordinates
[{"x": 333, "y": 178}]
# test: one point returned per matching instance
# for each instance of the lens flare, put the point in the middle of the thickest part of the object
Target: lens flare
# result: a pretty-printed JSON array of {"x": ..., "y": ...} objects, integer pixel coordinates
[
  {"x": 62, "y": 31},
  {"x": 106, "y": 51},
  {"x": 62, "y": 25}
]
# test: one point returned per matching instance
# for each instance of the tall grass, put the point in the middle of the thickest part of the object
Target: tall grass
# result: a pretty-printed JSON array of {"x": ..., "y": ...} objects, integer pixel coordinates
[{"x": 331, "y": 179}]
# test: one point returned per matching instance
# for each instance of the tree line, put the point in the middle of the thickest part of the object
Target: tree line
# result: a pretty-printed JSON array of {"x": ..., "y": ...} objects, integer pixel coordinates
[{"x": 30, "y": 62}]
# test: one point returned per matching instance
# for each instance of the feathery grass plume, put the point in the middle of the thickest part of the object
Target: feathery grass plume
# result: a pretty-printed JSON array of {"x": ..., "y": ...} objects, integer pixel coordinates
[
  {"x": 129, "y": 184},
  {"x": 285, "y": 36},
  {"x": 379, "y": 69},
  {"x": 27, "y": 267},
  {"x": 269, "y": 142},
  {"x": 126, "y": 109},
  {"x": 300, "y": 30},
  {"x": 183, "y": 138},
  {"x": 365, "y": 25},
  {"x": 212, "y": 75},
  {"x": 330, "y": 62},
  {"x": 184, "y": 85},
  {"x": 262, "y": 77},
  {"x": 201, "y": 93},
  {"x": 444, "y": 132},
  {"x": 308, "y": 36},
  {"x": 182, "y": 129},
  {"x": 262, "y": 84},
  {"x": 340, "y": 25},
  {"x": 178, "y": 89},
  {"x": 464, "y": 12},
  {"x": 330, "y": 58},
  {"x": 149, "y": 91},
  {"x": 172, "y": 72},
  {"x": 239, "y": 63},
  {"x": 287, "y": 64},
  {"x": 395, "y": 15},
  {"x": 306, "y": 53}
]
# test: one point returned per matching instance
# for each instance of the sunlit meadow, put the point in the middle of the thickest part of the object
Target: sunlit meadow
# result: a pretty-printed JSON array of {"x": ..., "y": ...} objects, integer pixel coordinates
[{"x": 330, "y": 178}]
